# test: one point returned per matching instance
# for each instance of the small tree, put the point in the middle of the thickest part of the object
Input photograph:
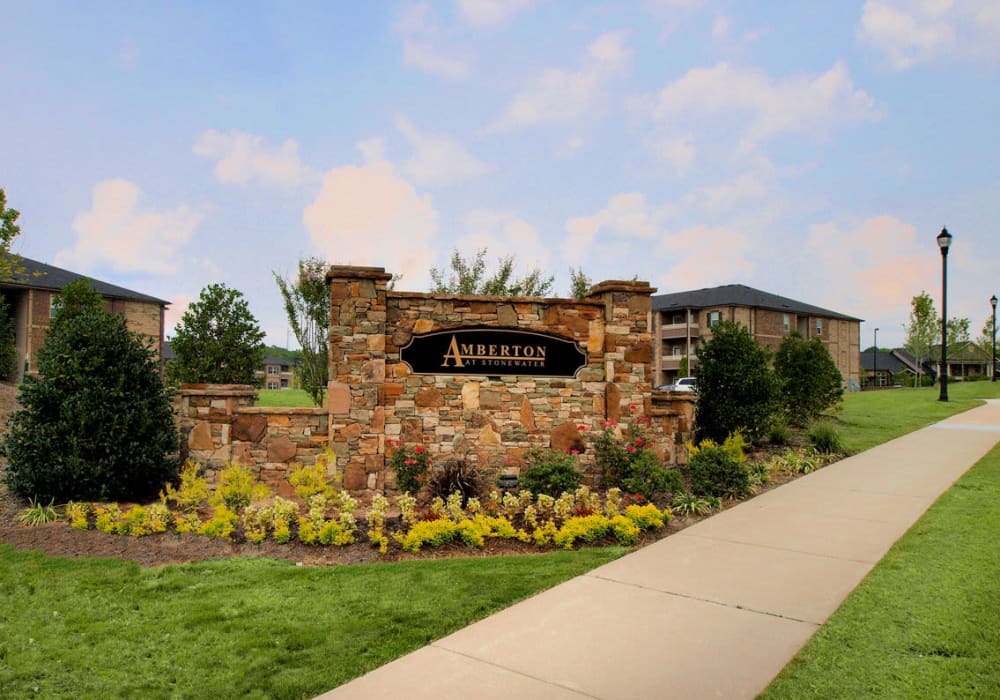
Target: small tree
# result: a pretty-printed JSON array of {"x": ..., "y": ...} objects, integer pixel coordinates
[
  {"x": 921, "y": 330},
  {"x": 217, "y": 340},
  {"x": 736, "y": 387},
  {"x": 9, "y": 230},
  {"x": 808, "y": 379},
  {"x": 96, "y": 422},
  {"x": 469, "y": 277},
  {"x": 579, "y": 283},
  {"x": 307, "y": 305},
  {"x": 8, "y": 347}
]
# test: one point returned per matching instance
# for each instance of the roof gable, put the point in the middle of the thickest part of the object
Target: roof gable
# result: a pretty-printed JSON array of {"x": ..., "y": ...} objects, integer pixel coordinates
[
  {"x": 37, "y": 275},
  {"x": 740, "y": 295}
]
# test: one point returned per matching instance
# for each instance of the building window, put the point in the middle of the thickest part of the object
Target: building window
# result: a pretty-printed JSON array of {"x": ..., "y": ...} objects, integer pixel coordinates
[
  {"x": 819, "y": 326},
  {"x": 714, "y": 318},
  {"x": 678, "y": 351},
  {"x": 677, "y": 320},
  {"x": 788, "y": 323},
  {"x": 284, "y": 383},
  {"x": 272, "y": 369},
  {"x": 52, "y": 304},
  {"x": 272, "y": 385}
]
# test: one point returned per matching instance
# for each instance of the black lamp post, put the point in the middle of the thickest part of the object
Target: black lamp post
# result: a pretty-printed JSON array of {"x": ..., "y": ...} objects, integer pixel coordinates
[
  {"x": 993, "y": 328},
  {"x": 944, "y": 242},
  {"x": 875, "y": 370}
]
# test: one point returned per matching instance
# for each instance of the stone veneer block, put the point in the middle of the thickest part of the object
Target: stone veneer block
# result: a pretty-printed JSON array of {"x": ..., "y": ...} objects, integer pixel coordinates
[
  {"x": 470, "y": 396},
  {"x": 280, "y": 449},
  {"x": 200, "y": 437},
  {"x": 338, "y": 398}
]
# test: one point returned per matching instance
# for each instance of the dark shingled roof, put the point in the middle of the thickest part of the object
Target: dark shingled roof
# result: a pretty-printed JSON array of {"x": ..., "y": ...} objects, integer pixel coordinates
[
  {"x": 740, "y": 295},
  {"x": 38, "y": 275}
]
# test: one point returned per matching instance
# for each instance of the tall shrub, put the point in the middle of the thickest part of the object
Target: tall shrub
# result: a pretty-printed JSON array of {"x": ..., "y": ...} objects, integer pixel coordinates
[
  {"x": 217, "y": 340},
  {"x": 307, "y": 305},
  {"x": 808, "y": 379},
  {"x": 96, "y": 422},
  {"x": 8, "y": 343},
  {"x": 736, "y": 387}
]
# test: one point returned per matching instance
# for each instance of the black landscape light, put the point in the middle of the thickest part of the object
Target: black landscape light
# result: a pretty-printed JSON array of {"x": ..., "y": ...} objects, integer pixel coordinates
[
  {"x": 875, "y": 371},
  {"x": 944, "y": 242},
  {"x": 993, "y": 329}
]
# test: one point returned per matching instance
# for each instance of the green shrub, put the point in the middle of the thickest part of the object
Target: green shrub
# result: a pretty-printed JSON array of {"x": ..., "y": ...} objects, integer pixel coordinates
[
  {"x": 825, "y": 438},
  {"x": 645, "y": 475},
  {"x": 714, "y": 472},
  {"x": 411, "y": 465},
  {"x": 779, "y": 433},
  {"x": 737, "y": 390},
  {"x": 550, "y": 473},
  {"x": 96, "y": 422},
  {"x": 8, "y": 348},
  {"x": 808, "y": 379}
]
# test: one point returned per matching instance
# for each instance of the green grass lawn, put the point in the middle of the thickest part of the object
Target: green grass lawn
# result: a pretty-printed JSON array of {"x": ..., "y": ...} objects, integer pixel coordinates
[
  {"x": 240, "y": 628},
  {"x": 287, "y": 398},
  {"x": 870, "y": 418},
  {"x": 926, "y": 622}
]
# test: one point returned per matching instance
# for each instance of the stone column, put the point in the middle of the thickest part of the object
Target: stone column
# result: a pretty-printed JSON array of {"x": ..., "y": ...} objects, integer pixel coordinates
[
  {"x": 628, "y": 346},
  {"x": 357, "y": 371}
]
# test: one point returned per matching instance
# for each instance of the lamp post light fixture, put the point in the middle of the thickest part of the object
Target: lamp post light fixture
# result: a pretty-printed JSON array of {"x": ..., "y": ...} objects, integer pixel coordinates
[
  {"x": 944, "y": 242},
  {"x": 993, "y": 329},
  {"x": 875, "y": 370}
]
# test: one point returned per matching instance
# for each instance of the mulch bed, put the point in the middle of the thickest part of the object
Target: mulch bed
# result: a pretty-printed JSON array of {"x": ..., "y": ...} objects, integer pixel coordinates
[{"x": 58, "y": 539}]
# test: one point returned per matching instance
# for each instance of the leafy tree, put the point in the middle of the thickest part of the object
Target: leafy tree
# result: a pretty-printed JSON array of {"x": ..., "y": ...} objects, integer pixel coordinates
[
  {"x": 922, "y": 330},
  {"x": 217, "y": 340},
  {"x": 469, "y": 277},
  {"x": 96, "y": 422},
  {"x": 307, "y": 305},
  {"x": 985, "y": 340},
  {"x": 808, "y": 379},
  {"x": 9, "y": 230},
  {"x": 8, "y": 347},
  {"x": 579, "y": 283},
  {"x": 958, "y": 331},
  {"x": 737, "y": 390}
]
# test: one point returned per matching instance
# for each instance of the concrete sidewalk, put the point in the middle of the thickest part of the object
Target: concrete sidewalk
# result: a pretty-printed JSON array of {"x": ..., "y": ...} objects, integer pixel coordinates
[{"x": 714, "y": 611}]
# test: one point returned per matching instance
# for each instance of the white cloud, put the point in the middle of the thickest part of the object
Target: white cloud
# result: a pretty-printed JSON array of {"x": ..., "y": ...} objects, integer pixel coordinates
[
  {"x": 368, "y": 215},
  {"x": 426, "y": 57},
  {"x": 626, "y": 216},
  {"x": 503, "y": 234},
  {"x": 490, "y": 13},
  {"x": 118, "y": 232},
  {"x": 678, "y": 153},
  {"x": 437, "y": 159},
  {"x": 721, "y": 27},
  {"x": 427, "y": 47},
  {"x": 909, "y": 32},
  {"x": 561, "y": 95},
  {"x": 705, "y": 256},
  {"x": 172, "y": 316},
  {"x": 766, "y": 106},
  {"x": 672, "y": 13},
  {"x": 243, "y": 158},
  {"x": 847, "y": 262}
]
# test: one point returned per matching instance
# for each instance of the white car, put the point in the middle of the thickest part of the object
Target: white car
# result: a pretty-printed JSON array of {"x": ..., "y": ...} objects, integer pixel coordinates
[{"x": 682, "y": 384}]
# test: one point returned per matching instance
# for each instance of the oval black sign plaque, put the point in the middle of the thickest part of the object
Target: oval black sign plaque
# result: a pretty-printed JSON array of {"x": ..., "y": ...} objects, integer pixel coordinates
[{"x": 486, "y": 350}]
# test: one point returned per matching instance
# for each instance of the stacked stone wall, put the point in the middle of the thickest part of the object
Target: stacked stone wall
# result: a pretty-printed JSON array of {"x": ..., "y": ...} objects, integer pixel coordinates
[
  {"x": 375, "y": 397},
  {"x": 219, "y": 424}
]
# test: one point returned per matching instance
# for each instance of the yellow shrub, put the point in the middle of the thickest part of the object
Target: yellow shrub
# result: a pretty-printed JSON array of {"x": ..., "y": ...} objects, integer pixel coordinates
[
  {"x": 221, "y": 525},
  {"x": 193, "y": 489},
  {"x": 77, "y": 513},
  {"x": 648, "y": 516},
  {"x": 238, "y": 488}
]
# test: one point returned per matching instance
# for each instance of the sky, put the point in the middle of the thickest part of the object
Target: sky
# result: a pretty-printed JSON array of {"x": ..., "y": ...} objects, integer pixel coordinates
[{"x": 811, "y": 149}]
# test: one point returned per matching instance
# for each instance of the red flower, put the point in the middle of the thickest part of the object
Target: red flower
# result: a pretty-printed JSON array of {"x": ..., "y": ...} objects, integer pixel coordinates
[
  {"x": 639, "y": 498},
  {"x": 410, "y": 462},
  {"x": 581, "y": 428},
  {"x": 419, "y": 448},
  {"x": 630, "y": 448},
  {"x": 632, "y": 407},
  {"x": 638, "y": 442}
]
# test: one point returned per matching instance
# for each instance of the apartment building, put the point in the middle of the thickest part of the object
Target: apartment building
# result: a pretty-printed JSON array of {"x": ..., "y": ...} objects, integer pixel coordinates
[
  {"x": 31, "y": 293},
  {"x": 684, "y": 320}
]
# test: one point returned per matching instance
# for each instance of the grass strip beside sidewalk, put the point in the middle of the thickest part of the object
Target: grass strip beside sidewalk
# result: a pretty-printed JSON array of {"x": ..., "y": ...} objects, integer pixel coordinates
[
  {"x": 240, "y": 628},
  {"x": 925, "y": 623}
]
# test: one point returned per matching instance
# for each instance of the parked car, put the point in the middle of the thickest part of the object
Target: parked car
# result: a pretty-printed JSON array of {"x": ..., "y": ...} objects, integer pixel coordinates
[{"x": 682, "y": 384}]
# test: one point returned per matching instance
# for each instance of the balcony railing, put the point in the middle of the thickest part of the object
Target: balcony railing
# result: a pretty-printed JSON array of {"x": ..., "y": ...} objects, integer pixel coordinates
[{"x": 678, "y": 330}]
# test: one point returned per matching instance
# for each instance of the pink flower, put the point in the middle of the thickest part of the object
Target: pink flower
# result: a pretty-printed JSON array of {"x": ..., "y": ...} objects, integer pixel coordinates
[
  {"x": 410, "y": 462},
  {"x": 630, "y": 448},
  {"x": 574, "y": 452}
]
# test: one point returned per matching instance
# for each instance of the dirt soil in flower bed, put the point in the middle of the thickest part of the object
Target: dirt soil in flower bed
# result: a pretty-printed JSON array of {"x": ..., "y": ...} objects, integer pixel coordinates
[{"x": 58, "y": 539}]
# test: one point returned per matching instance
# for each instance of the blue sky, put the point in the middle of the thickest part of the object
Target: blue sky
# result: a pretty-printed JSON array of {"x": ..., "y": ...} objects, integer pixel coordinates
[{"x": 810, "y": 149}]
